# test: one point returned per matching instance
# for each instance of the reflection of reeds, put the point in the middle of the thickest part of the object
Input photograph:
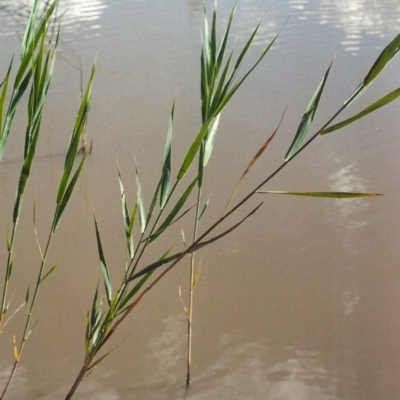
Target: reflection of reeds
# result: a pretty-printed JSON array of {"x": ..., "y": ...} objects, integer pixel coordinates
[{"x": 145, "y": 225}]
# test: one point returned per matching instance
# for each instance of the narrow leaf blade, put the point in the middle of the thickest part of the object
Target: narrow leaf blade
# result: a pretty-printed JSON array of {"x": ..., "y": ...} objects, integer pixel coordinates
[
  {"x": 378, "y": 104},
  {"x": 210, "y": 140},
  {"x": 156, "y": 265},
  {"x": 142, "y": 213},
  {"x": 166, "y": 170},
  {"x": 103, "y": 264},
  {"x": 330, "y": 195},
  {"x": 308, "y": 117},
  {"x": 168, "y": 220}
]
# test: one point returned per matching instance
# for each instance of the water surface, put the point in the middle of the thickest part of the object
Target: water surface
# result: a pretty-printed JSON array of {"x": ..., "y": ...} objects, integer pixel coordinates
[{"x": 300, "y": 302}]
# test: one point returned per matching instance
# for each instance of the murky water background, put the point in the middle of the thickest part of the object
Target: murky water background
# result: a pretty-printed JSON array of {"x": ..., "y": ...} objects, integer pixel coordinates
[{"x": 301, "y": 302}]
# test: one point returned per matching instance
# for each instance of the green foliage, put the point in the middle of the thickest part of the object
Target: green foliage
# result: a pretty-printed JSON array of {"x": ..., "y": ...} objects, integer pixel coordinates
[
  {"x": 35, "y": 71},
  {"x": 220, "y": 78}
]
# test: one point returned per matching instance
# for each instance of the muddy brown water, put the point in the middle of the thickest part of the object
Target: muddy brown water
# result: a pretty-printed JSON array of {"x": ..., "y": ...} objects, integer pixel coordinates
[{"x": 303, "y": 300}]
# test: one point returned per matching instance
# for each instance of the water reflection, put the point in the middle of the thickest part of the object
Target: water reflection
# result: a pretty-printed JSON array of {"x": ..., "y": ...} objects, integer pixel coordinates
[
  {"x": 259, "y": 371},
  {"x": 92, "y": 388},
  {"x": 18, "y": 388},
  {"x": 355, "y": 18},
  {"x": 352, "y": 211},
  {"x": 360, "y": 17},
  {"x": 76, "y": 15},
  {"x": 347, "y": 179},
  {"x": 168, "y": 350},
  {"x": 85, "y": 13},
  {"x": 349, "y": 302}
]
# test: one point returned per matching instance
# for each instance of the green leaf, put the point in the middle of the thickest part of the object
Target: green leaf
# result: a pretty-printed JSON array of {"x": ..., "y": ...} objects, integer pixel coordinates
[
  {"x": 183, "y": 214},
  {"x": 27, "y": 299},
  {"x": 30, "y": 146},
  {"x": 228, "y": 93},
  {"x": 133, "y": 291},
  {"x": 154, "y": 201},
  {"x": 242, "y": 55},
  {"x": 330, "y": 195},
  {"x": 222, "y": 47},
  {"x": 156, "y": 265},
  {"x": 44, "y": 83},
  {"x": 142, "y": 213},
  {"x": 166, "y": 170},
  {"x": 68, "y": 193},
  {"x": 378, "y": 104},
  {"x": 127, "y": 222},
  {"x": 3, "y": 94},
  {"x": 97, "y": 362},
  {"x": 168, "y": 220},
  {"x": 210, "y": 140},
  {"x": 308, "y": 117},
  {"x": 8, "y": 238},
  {"x": 224, "y": 96},
  {"x": 15, "y": 98},
  {"x": 219, "y": 92},
  {"x": 75, "y": 138},
  {"x": 103, "y": 264},
  {"x": 384, "y": 58},
  {"x": 95, "y": 315},
  {"x": 204, "y": 208},
  {"x": 48, "y": 272},
  {"x": 193, "y": 150}
]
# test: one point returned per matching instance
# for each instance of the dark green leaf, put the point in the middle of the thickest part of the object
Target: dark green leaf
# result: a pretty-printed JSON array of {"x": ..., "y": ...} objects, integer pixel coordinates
[
  {"x": 127, "y": 222},
  {"x": 193, "y": 150},
  {"x": 378, "y": 104},
  {"x": 174, "y": 211},
  {"x": 166, "y": 170},
  {"x": 68, "y": 193},
  {"x": 155, "y": 265},
  {"x": 384, "y": 58},
  {"x": 104, "y": 269},
  {"x": 133, "y": 291},
  {"x": 75, "y": 138},
  {"x": 308, "y": 117},
  {"x": 15, "y": 98},
  {"x": 4, "y": 84}
]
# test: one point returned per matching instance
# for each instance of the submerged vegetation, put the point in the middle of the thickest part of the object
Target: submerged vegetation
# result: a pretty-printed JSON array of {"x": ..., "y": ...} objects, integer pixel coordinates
[{"x": 221, "y": 76}]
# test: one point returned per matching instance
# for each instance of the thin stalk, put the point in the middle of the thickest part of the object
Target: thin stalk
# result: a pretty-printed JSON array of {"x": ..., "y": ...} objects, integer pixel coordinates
[
  {"x": 113, "y": 329},
  {"x": 30, "y": 309},
  {"x": 8, "y": 273},
  {"x": 191, "y": 290}
]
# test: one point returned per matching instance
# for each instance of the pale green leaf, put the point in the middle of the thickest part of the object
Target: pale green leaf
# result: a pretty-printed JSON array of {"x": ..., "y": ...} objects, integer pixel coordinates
[{"x": 330, "y": 195}]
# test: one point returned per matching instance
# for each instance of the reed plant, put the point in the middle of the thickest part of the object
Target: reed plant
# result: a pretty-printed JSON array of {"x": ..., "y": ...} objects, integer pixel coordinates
[
  {"x": 35, "y": 71},
  {"x": 146, "y": 222},
  {"x": 220, "y": 79}
]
